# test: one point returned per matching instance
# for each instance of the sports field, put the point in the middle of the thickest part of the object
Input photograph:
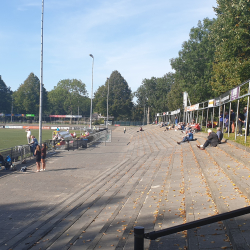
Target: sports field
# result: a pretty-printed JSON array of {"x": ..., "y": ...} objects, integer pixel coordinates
[{"x": 14, "y": 137}]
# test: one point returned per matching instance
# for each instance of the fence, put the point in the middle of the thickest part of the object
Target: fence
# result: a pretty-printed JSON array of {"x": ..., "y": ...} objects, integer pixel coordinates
[
  {"x": 19, "y": 153},
  {"x": 139, "y": 234},
  {"x": 130, "y": 123}
]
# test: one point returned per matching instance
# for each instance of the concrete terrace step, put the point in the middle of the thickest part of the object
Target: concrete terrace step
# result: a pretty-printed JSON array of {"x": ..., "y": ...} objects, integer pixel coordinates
[{"x": 144, "y": 179}]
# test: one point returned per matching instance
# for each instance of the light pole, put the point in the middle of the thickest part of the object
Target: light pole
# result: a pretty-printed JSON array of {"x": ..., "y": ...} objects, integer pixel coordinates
[
  {"x": 12, "y": 108},
  {"x": 41, "y": 81},
  {"x": 90, "y": 118},
  {"x": 107, "y": 104}
]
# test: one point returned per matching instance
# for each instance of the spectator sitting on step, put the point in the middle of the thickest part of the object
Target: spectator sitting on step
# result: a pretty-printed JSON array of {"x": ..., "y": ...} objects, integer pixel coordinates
[
  {"x": 219, "y": 135},
  {"x": 189, "y": 137},
  {"x": 197, "y": 127},
  {"x": 212, "y": 140}
]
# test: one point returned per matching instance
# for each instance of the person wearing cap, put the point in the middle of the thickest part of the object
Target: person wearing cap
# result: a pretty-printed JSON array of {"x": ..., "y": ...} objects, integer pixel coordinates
[{"x": 212, "y": 140}]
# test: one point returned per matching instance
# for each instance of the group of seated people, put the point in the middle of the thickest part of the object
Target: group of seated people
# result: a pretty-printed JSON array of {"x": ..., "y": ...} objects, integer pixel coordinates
[
  {"x": 213, "y": 139},
  {"x": 195, "y": 127},
  {"x": 85, "y": 134}
]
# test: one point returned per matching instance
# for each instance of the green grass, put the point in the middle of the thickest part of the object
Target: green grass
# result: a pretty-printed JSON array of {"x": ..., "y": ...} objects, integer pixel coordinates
[{"x": 14, "y": 137}]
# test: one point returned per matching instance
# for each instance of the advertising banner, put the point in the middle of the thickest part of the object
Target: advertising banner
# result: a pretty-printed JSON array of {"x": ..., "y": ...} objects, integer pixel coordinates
[
  {"x": 175, "y": 112},
  {"x": 217, "y": 101},
  {"x": 31, "y": 127},
  {"x": 66, "y": 116},
  {"x": 235, "y": 93},
  {"x": 193, "y": 107},
  {"x": 1, "y": 114},
  {"x": 14, "y": 127},
  {"x": 211, "y": 103},
  {"x": 158, "y": 114},
  {"x": 58, "y": 116},
  {"x": 185, "y": 95},
  {"x": 30, "y": 115},
  {"x": 225, "y": 98},
  {"x": 73, "y": 116},
  {"x": 1, "y": 126}
]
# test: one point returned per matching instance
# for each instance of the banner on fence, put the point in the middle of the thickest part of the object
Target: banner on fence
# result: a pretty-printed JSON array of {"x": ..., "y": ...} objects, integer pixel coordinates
[
  {"x": 235, "y": 93},
  {"x": 217, "y": 101},
  {"x": 193, "y": 107},
  {"x": 1, "y": 114},
  {"x": 211, "y": 103},
  {"x": 185, "y": 96},
  {"x": 66, "y": 116},
  {"x": 14, "y": 127},
  {"x": 224, "y": 98},
  {"x": 1, "y": 126},
  {"x": 175, "y": 112}
]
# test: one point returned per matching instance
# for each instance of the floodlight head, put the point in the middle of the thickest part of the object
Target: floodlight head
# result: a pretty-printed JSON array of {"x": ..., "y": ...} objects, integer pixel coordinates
[{"x": 91, "y": 55}]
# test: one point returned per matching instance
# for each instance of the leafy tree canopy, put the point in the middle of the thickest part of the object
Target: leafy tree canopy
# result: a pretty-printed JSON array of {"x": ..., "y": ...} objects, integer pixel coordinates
[
  {"x": 67, "y": 96},
  {"x": 153, "y": 93},
  {"x": 231, "y": 33},
  {"x": 5, "y": 97},
  {"x": 26, "y": 98},
  {"x": 193, "y": 67},
  {"x": 120, "y": 97}
]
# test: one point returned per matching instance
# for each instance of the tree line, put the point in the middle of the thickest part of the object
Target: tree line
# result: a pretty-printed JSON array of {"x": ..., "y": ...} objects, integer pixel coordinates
[
  {"x": 69, "y": 96},
  {"x": 213, "y": 60}
]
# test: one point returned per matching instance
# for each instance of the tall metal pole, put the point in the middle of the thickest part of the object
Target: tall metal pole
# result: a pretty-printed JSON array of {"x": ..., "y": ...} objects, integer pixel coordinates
[
  {"x": 90, "y": 119},
  {"x": 237, "y": 118},
  {"x": 41, "y": 81},
  {"x": 107, "y": 104},
  {"x": 246, "y": 122},
  {"x": 229, "y": 119},
  {"x": 11, "y": 109}
]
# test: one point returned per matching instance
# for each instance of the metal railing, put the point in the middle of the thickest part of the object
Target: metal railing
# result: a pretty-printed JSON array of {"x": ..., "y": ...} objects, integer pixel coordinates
[
  {"x": 139, "y": 234},
  {"x": 22, "y": 152}
]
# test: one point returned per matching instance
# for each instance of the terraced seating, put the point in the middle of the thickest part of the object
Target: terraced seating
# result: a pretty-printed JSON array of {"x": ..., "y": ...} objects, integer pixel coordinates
[{"x": 143, "y": 179}]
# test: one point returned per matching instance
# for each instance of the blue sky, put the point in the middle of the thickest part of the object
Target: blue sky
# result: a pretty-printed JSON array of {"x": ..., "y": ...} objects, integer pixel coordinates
[{"x": 135, "y": 37}]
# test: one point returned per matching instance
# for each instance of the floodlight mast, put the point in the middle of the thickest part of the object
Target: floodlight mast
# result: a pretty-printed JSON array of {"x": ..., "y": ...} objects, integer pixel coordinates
[
  {"x": 90, "y": 118},
  {"x": 41, "y": 81},
  {"x": 107, "y": 104}
]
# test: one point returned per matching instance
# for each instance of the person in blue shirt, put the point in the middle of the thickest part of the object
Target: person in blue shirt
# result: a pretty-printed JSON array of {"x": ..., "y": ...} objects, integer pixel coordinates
[
  {"x": 176, "y": 120},
  {"x": 221, "y": 120},
  {"x": 33, "y": 144},
  {"x": 189, "y": 137}
]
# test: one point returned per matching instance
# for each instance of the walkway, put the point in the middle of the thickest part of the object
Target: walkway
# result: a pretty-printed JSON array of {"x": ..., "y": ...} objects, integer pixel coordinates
[{"x": 92, "y": 198}]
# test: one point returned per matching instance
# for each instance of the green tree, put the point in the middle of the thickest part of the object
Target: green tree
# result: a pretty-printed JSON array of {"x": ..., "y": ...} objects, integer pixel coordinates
[
  {"x": 100, "y": 99},
  {"x": 26, "y": 98},
  {"x": 152, "y": 94},
  {"x": 67, "y": 96},
  {"x": 5, "y": 97},
  {"x": 193, "y": 67},
  {"x": 231, "y": 33},
  {"x": 120, "y": 97}
]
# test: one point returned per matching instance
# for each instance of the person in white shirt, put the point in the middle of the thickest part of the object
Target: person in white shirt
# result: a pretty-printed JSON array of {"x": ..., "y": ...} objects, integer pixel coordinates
[{"x": 28, "y": 135}]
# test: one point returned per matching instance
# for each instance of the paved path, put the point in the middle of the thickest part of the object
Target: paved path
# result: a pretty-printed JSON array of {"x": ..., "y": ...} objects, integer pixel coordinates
[{"x": 92, "y": 198}]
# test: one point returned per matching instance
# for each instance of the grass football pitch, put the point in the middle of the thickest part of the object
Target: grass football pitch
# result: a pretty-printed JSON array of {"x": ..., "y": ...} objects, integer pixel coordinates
[{"x": 14, "y": 137}]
